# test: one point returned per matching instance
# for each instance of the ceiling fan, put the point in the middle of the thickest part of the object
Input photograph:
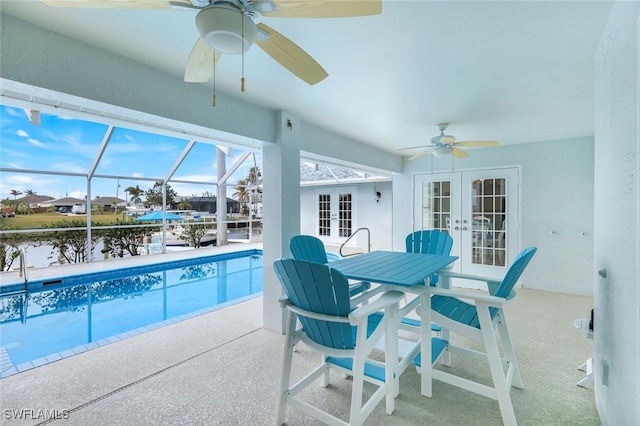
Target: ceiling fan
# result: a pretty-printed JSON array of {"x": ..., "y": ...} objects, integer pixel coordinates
[
  {"x": 443, "y": 145},
  {"x": 227, "y": 26}
]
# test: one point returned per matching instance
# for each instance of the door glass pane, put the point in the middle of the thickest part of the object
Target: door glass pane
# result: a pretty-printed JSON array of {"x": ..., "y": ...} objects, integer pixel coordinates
[
  {"x": 324, "y": 215},
  {"x": 344, "y": 214},
  {"x": 488, "y": 244},
  {"x": 436, "y": 205}
]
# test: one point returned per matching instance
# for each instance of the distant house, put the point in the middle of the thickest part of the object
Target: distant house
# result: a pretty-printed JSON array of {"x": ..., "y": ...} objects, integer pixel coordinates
[
  {"x": 35, "y": 201},
  {"x": 209, "y": 204},
  {"x": 66, "y": 203},
  {"x": 108, "y": 203}
]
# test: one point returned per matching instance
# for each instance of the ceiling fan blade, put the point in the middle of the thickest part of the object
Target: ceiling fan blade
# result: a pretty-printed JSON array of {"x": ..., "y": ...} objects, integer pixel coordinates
[
  {"x": 420, "y": 154},
  {"x": 415, "y": 147},
  {"x": 115, "y": 4},
  {"x": 289, "y": 55},
  {"x": 200, "y": 63},
  {"x": 447, "y": 139},
  {"x": 324, "y": 9},
  {"x": 458, "y": 153},
  {"x": 478, "y": 143}
]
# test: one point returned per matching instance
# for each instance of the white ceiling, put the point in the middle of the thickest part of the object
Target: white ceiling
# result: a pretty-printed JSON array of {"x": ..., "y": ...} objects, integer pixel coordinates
[{"x": 515, "y": 71}]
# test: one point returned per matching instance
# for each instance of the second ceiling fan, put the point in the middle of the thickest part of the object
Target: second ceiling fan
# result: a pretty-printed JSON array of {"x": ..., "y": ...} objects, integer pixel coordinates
[{"x": 443, "y": 145}]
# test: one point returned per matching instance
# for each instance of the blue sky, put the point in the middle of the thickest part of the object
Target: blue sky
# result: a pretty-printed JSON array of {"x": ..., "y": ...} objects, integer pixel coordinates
[{"x": 64, "y": 144}]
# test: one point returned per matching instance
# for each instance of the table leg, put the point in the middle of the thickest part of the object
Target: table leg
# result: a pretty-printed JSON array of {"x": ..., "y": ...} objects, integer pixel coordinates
[{"x": 391, "y": 354}]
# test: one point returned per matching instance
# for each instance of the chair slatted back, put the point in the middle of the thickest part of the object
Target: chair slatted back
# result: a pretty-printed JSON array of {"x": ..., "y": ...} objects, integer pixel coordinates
[
  {"x": 466, "y": 313},
  {"x": 317, "y": 288},
  {"x": 513, "y": 275},
  {"x": 429, "y": 242},
  {"x": 515, "y": 271},
  {"x": 307, "y": 247}
]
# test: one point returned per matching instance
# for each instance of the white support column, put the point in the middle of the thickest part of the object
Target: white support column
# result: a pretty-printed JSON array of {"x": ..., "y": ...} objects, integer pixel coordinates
[
  {"x": 221, "y": 199},
  {"x": 281, "y": 192}
]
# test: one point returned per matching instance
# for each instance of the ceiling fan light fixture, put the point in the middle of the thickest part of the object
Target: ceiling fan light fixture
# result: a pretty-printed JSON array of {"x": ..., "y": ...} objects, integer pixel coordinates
[
  {"x": 442, "y": 151},
  {"x": 222, "y": 29}
]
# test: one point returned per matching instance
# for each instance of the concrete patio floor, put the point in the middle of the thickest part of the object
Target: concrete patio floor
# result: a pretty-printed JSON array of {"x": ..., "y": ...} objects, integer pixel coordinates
[{"x": 222, "y": 368}]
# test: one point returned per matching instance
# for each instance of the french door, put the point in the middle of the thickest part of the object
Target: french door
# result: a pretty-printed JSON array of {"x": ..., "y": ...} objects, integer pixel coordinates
[
  {"x": 335, "y": 213},
  {"x": 479, "y": 209}
]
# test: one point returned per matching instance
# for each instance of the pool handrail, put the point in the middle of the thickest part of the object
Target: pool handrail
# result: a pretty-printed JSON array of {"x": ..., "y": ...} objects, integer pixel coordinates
[
  {"x": 351, "y": 236},
  {"x": 23, "y": 267}
]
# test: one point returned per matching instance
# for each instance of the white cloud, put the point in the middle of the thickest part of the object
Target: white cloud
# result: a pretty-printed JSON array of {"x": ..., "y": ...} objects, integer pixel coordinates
[
  {"x": 41, "y": 185},
  {"x": 22, "y": 133},
  {"x": 13, "y": 112},
  {"x": 76, "y": 194},
  {"x": 18, "y": 179},
  {"x": 15, "y": 166},
  {"x": 137, "y": 175},
  {"x": 35, "y": 142}
]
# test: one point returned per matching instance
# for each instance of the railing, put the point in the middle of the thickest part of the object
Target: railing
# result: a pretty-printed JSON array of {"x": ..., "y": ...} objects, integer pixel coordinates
[{"x": 351, "y": 236}]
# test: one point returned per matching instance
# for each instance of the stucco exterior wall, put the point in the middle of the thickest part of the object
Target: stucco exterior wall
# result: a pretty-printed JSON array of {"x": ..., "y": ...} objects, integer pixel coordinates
[{"x": 617, "y": 212}]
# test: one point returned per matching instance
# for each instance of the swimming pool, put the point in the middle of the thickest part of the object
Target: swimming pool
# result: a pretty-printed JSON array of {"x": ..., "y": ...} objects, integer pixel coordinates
[{"x": 62, "y": 317}]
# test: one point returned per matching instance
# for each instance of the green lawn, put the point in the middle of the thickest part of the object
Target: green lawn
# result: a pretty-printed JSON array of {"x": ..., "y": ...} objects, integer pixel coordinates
[{"x": 40, "y": 220}]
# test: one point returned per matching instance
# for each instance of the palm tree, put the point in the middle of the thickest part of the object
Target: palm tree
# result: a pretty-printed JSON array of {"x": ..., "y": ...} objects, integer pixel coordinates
[
  {"x": 253, "y": 179},
  {"x": 30, "y": 192},
  {"x": 134, "y": 194},
  {"x": 254, "y": 175},
  {"x": 241, "y": 193},
  {"x": 15, "y": 194}
]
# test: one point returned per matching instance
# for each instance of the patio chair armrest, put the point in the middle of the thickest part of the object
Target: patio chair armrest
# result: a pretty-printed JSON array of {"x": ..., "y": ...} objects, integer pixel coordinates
[
  {"x": 443, "y": 273},
  {"x": 314, "y": 315},
  {"x": 492, "y": 283},
  {"x": 476, "y": 297},
  {"x": 387, "y": 299},
  {"x": 356, "y": 316},
  {"x": 284, "y": 301}
]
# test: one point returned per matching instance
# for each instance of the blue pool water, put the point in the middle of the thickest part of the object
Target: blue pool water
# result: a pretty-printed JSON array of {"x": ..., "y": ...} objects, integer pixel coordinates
[{"x": 60, "y": 319}]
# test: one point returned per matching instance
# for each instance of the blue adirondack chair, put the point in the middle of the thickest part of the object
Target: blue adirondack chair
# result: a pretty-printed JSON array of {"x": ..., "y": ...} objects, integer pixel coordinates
[
  {"x": 427, "y": 242},
  {"x": 478, "y": 316},
  {"x": 317, "y": 298},
  {"x": 307, "y": 247}
]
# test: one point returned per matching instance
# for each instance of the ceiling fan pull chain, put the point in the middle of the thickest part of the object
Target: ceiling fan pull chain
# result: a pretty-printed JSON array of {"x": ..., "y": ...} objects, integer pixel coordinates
[{"x": 242, "y": 41}]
